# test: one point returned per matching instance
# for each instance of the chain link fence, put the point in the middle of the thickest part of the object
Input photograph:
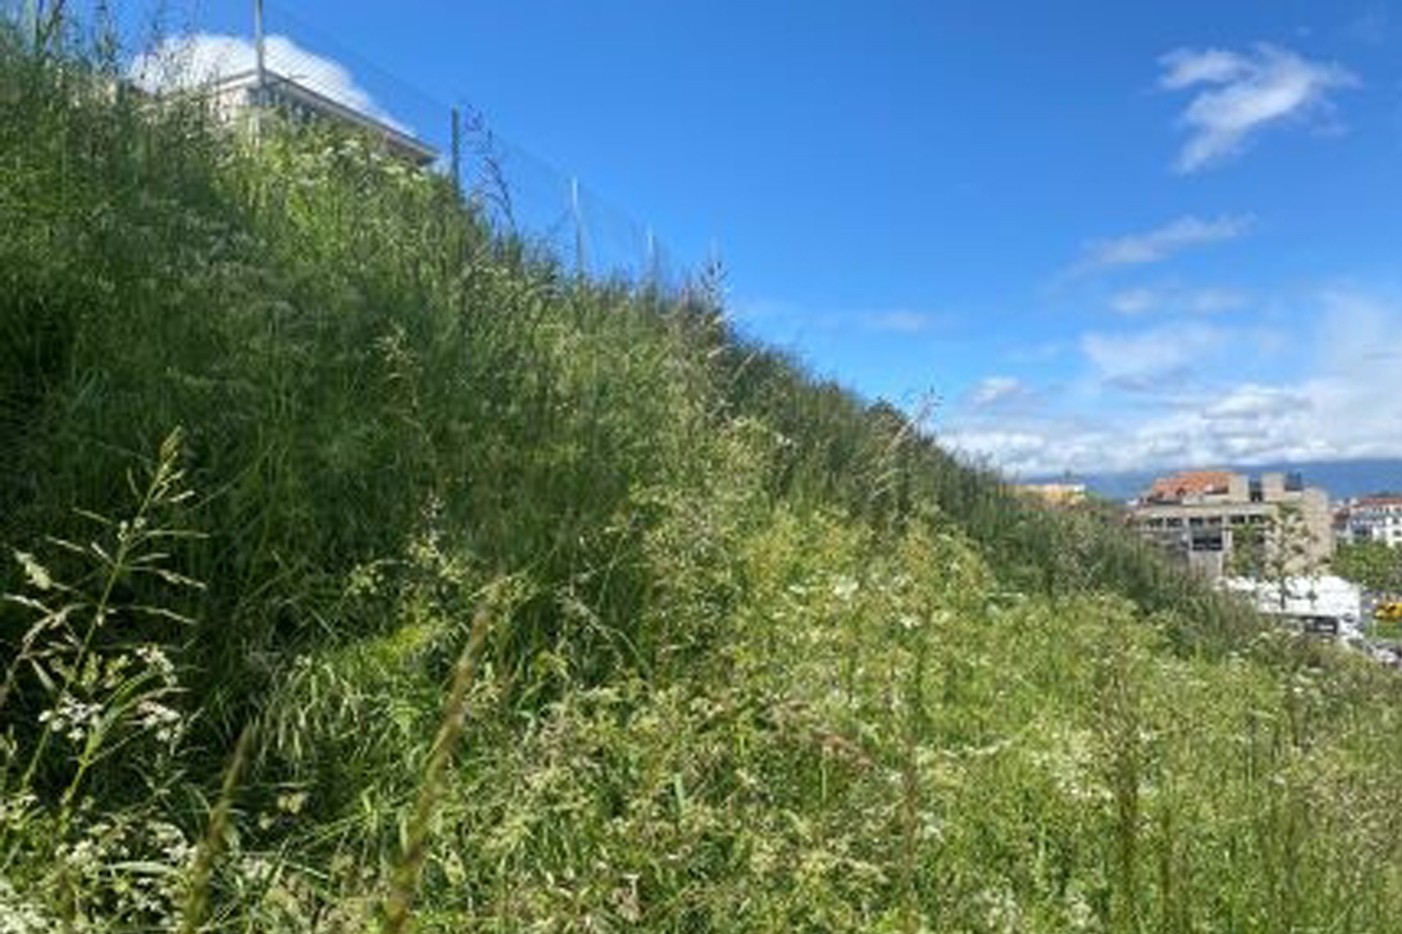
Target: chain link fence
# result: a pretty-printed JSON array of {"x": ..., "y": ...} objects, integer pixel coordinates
[{"x": 211, "y": 46}]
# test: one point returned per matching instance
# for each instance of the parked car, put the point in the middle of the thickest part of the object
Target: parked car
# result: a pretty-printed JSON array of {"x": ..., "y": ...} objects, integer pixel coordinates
[{"x": 1388, "y": 611}]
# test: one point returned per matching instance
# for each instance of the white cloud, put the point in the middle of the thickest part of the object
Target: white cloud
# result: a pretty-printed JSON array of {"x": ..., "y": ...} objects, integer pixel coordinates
[
  {"x": 1342, "y": 401},
  {"x": 190, "y": 61},
  {"x": 1135, "y": 301},
  {"x": 1240, "y": 94},
  {"x": 788, "y": 319},
  {"x": 1184, "y": 68},
  {"x": 1252, "y": 403},
  {"x": 1152, "y": 246},
  {"x": 1214, "y": 300},
  {"x": 1205, "y": 301},
  {"x": 996, "y": 389},
  {"x": 1145, "y": 359},
  {"x": 1011, "y": 451}
]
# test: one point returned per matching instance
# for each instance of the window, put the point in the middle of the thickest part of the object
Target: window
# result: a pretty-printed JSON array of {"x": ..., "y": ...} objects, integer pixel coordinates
[{"x": 1206, "y": 540}]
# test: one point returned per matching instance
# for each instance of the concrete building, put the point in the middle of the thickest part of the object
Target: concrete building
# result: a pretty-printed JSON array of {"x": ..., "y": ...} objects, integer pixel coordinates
[
  {"x": 1375, "y": 519},
  {"x": 1054, "y": 494},
  {"x": 1222, "y": 523},
  {"x": 234, "y": 99}
]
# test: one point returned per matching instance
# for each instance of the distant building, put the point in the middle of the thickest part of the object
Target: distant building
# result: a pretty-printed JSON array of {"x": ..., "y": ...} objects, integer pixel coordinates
[
  {"x": 234, "y": 97},
  {"x": 1054, "y": 494},
  {"x": 1323, "y": 604},
  {"x": 1374, "y": 519},
  {"x": 1221, "y": 522}
]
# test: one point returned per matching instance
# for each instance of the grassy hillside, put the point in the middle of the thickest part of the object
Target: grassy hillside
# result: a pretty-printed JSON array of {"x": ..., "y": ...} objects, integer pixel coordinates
[{"x": 366, "y": 569}]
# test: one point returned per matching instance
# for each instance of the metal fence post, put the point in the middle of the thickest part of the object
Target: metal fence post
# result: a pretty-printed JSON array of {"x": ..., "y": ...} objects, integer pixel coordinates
[
  {"x": 578, "y": 226},
  {"x": 457, "y": 151}
]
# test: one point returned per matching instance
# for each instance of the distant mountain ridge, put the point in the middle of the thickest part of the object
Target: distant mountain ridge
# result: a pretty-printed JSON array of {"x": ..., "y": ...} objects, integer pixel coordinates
[{"x": 1342, "y": 479}]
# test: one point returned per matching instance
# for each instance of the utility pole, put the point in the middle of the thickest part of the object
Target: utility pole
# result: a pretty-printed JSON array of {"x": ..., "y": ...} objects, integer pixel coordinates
[
  {"x": 260, "y": 72},
  {"x": 578, "y": 226},
  {"x": 652, "y": 266},
  {"x": 259, "y": 49}
]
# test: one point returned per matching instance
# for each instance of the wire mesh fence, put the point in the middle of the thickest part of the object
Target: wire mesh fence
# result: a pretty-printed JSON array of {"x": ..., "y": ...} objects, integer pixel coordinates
[{"x": 212, "y": 46}]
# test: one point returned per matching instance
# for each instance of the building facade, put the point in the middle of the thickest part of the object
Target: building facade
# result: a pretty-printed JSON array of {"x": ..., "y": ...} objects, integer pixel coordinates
[
  {"x": 1375, "y": 519},
  {"x": 1054, "y": 494},
  {"x": 234, "y": 98},
  {"x": 1223, "y": 523}
]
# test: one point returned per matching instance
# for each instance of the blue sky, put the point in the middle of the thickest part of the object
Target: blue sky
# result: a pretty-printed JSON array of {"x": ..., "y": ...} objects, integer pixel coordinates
[{"x": 1094, "y": 235}]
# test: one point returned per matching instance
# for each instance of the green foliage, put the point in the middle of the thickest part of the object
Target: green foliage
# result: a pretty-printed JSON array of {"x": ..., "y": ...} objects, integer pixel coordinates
[
  {"x": 94, "y": 726},
  {"x": 541, "y": 604},
  {"x": 1373, "y": 564}
]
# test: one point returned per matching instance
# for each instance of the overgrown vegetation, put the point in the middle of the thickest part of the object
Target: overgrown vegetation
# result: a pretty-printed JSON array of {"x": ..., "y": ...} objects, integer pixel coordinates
[
  {"x": 1374, "y": 564},
  {"x": 366, "y": 570}
]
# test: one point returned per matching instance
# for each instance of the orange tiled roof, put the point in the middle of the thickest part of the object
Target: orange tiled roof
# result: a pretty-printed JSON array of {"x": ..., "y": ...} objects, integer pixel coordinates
[
  {"x": 1379, "y": 501},
  {"x": 1190, "y": 483}
]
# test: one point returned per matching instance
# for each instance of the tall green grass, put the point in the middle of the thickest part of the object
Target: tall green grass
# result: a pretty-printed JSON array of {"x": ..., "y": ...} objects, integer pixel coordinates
[{"x": 761, "y": 657}]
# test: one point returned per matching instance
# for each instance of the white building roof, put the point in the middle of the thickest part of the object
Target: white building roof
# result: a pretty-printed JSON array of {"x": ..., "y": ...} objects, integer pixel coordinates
[
  {"x": 292, "y": 91},
  {"x": 1324, "y": 595}
]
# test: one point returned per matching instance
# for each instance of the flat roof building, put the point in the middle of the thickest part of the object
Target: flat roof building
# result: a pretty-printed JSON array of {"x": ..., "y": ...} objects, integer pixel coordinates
[
  {"x": 236, "y": 95},
  {"x": 1375, "y": 518},
  {"x": 1220, "y": 522}
]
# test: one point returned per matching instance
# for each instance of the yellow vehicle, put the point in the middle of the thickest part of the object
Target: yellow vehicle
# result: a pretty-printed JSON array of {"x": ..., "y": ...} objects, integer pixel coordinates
[{"x": 1388, "y": 611}]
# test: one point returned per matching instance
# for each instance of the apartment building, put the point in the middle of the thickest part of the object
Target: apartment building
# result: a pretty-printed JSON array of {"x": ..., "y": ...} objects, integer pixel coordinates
[
  {"x": 234, "y": 97},
  {"x": 1374, "y": 518},
  {"x": 1222, "y": 523}
]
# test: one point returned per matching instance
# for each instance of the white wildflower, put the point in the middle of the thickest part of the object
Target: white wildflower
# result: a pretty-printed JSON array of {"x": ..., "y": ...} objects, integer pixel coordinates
[
  {"x": 35, "y": 572},
  {"x": 18, "y": 916},
  {"x": 71, "y": 717},
  {"x": 157, "y": 660},
  {"x": 153, "y": 715},
  {"x": 177, "y": 850},
  {"x": 115, "y": 668},
  {"x": 15, "y": 808}
]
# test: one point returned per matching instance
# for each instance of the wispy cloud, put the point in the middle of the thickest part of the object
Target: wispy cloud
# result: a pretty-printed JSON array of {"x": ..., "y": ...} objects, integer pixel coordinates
[
  {"x": 1213, "y": 301},
  {"x": 1372, "y": 27},
  {"x": 763, "y": 309},
  {"x": 900, "y": 321},
  {"x": 1173, "y": 299},
  {"x": 782, "y": 314},
  {"x": 1135, "y": 301},
  {"x": 190, "y": 61},
  {"x": 1040, "y": 352},
  {"x": 1157, "y": 245},
  {"x": 1239, "y": 94},
  {"x": 996, "y": 390},
  {"x": 1185, "y": 67},
  {"x": 1147, "y": 359}
]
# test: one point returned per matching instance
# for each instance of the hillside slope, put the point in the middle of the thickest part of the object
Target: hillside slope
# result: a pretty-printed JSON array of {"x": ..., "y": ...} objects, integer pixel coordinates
[{"x": 365, "y": 567}]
